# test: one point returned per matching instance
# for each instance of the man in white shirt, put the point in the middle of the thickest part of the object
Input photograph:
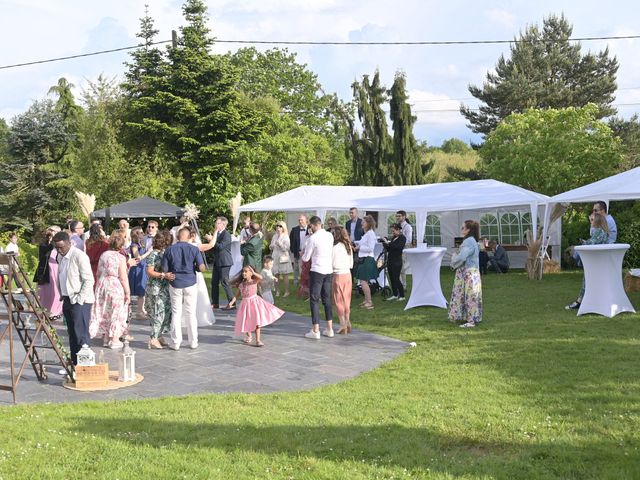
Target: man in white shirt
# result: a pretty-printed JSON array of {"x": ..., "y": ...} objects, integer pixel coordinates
[
  {"x": 75, "y": 282},
  {"x": 407, "y": 231},
  {"x": 319, "y": 249}
]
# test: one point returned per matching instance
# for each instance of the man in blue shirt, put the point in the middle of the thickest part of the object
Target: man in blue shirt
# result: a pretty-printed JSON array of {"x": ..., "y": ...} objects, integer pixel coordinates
[{"x": 180, "y": 262}]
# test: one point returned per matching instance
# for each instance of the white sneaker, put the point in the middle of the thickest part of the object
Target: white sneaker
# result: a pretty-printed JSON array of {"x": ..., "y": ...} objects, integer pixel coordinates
[
  {"x": 401, "y": 299},
  {"x": 194, "y": 345},
  {"x": 313, "y": 335},
  {"x": 393, "y": 297},
  {"x": 328, "y": 333}
]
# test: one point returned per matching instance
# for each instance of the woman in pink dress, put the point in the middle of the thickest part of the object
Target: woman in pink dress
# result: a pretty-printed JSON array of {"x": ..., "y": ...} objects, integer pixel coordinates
[
  {"x": 254, "y": 312},
  {"x": 47, "y": 276},
  {"x": 110, "y": 310}
]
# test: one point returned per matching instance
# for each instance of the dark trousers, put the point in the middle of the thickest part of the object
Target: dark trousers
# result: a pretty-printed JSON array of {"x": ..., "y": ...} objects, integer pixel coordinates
[
  {"x": 77, "y": 317},
  {"x": 220, "y": 275},
  {"x": 320, "y": 289},
  {"x": 499, "y": 268},
  {"x": 394, "y": 277},
  {"x": 484, "y": 260}
]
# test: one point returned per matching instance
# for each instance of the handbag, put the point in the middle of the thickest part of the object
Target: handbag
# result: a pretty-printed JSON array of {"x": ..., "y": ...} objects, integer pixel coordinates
[{"x": 284, "y": 258}]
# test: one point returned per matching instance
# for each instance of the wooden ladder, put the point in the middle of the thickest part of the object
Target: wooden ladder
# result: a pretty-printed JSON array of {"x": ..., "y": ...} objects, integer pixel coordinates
[{"x": 21, "y": 304}]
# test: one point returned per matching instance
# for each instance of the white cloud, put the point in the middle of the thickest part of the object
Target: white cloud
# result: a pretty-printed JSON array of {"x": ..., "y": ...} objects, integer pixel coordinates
[
  {"x": 435, "y": 109},
  {"x": 502, "y": 17}
]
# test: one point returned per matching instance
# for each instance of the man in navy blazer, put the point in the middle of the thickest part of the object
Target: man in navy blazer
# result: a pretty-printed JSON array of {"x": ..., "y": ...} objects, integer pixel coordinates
[
  {"x": 222, "y": 263},
  {"x": 296, "y": 240},
  {"x": 354, "y": 225}
]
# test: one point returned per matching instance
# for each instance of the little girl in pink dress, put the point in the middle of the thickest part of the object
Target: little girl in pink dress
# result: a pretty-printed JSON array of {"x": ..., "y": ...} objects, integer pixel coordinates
[{"x": 254, "y": 312}]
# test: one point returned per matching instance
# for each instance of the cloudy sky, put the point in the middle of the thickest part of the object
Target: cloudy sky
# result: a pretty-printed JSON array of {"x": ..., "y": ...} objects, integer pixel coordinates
[{"x": 437, "y": 76}]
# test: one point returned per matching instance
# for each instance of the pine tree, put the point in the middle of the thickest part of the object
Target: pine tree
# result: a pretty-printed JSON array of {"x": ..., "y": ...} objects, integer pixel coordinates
[
  {"x": 545, "y": 70},
  {"x": 406, "y": 168},
  {"x": 372, "y": 150}
]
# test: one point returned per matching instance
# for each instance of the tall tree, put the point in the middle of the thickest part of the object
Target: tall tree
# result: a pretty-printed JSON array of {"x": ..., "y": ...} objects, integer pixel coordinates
[
  {"x": 371, "y": 149},
  {"x": 193, "y": 111},
  {"x": 407, "y": 168},
  {"x": 276, "y": 73},
  {"x": 628, "y": 131},
  {"x": 30, "y": 196},
  {"x": 145, "y": 77},
  {"x": 553, "y": 150},
  {"x": 545, "y": 70}
]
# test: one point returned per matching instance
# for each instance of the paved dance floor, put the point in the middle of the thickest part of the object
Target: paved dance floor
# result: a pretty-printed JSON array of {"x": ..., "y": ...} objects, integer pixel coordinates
[{"x": 221, "y": 363}]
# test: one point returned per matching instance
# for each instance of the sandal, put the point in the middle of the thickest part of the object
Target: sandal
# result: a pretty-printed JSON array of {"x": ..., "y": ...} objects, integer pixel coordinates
[
  {"x": 229, "y": 307},
  {"x": 247, "y": 340},
  {"x": 259, "y": 344}
]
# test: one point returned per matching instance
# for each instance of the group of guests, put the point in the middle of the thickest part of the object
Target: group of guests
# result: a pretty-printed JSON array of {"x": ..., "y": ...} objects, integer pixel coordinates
[{"x": 91, "y": 282}]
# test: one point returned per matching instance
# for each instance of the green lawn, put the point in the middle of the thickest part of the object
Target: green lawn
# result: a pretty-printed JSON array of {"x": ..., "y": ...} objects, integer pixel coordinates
[{"x": 535, "y": 392}]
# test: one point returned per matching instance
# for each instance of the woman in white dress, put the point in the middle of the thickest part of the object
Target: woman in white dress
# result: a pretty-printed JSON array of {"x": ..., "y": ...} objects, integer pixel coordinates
[
  {"x": 204, "y": 311},
  {"x": 280, "y": 251}
]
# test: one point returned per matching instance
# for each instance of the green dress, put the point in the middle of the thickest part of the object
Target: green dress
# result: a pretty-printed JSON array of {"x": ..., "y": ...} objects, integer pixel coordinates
[{"x": 157, "y": 301}]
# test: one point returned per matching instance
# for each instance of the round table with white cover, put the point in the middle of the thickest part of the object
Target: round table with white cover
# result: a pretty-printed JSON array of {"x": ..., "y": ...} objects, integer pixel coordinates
[
  {"x": 425, "y": 273},
  {"x": 604, "y": 293}
]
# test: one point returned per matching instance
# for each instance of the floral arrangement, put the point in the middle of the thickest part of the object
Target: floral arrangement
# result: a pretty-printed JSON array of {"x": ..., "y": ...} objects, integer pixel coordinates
[{"x": 191, "y": 212}]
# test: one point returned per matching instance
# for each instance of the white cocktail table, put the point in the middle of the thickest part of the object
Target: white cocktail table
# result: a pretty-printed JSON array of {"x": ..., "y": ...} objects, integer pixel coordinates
[
  {"x": 604, "y": 293},
  {"x": 425, "y": 273}
]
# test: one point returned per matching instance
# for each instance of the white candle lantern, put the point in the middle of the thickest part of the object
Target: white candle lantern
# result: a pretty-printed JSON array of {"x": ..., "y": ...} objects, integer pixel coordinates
[
  {"x": 86, "y": 356},
  {"x": 127, "y": 364}
]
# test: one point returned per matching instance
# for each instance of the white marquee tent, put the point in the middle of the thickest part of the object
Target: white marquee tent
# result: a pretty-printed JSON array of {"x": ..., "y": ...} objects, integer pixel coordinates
[
  {"x": 472, "y": 196},
  {"x": 623, "y": 186}
]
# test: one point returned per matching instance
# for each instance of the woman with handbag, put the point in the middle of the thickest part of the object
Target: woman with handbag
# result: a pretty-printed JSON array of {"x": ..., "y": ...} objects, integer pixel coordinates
[
  {"x": 466, "y": 296},
  {"x": 280, "y": 251}
]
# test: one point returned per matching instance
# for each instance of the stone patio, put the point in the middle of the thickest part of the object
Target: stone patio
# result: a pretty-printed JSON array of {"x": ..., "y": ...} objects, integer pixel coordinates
[{"x": 221, "y": 363}]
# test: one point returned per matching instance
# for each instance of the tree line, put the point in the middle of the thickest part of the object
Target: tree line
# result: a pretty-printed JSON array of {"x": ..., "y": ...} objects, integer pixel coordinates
[{"x": 186, "y": 125}]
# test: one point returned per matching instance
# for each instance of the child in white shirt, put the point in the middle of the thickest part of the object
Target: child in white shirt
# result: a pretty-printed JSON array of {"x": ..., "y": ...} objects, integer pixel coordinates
[
  {"x": 12, "y": 246},
  {"x": 268, "y": 279}
]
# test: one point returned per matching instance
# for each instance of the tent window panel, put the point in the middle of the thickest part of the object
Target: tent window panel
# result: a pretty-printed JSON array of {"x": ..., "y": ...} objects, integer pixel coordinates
[
  {"x": 489, "y": 227},
  {"x": 432, "y": 235},
  {"x": 510, "y": 229}
]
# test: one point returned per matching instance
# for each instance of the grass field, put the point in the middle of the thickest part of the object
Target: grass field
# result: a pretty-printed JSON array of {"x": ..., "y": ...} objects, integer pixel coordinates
[{"x": 535, "y": 392}]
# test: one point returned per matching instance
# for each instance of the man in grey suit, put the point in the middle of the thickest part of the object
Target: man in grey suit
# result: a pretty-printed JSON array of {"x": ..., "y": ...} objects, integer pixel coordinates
[
  {"x": 222, "y": 263},
  {"x": 75, "y": 282}
]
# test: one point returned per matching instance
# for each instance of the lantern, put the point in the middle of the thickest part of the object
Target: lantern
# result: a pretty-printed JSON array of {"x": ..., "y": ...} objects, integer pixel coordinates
[
  {"x": 86, "y": 357},
  {"x": 127, "y": 364}
]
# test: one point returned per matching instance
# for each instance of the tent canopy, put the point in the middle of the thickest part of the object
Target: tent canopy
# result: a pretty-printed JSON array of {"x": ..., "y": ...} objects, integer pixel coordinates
[
  {"x": 435, "y": 197},
  {"x": 623, "y": 186},
  {"x": 140, "y": 208},
  {"x": 421, "y": 199}
]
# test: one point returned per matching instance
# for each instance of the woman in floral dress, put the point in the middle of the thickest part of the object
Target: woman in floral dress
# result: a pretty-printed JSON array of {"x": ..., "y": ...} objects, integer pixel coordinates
[
  {"x": 157, "y": 301},
  {"x": 466, "y": 296},
  {"x": 110, "y": 310}
]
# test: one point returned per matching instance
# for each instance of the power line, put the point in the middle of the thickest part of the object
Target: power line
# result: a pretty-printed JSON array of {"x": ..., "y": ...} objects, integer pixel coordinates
[{"x": 282, "y": 42}]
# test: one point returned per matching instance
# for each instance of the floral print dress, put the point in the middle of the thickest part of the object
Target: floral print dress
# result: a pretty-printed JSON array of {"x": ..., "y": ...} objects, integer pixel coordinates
[
  {"x": 466, "y": 296},
  {"x": 157, "y": 301},
  {"x": 109, "y": 313}
]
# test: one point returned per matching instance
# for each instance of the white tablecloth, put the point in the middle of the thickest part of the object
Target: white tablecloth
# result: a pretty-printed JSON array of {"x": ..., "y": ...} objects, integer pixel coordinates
[
  {"x": 604, "y": 293},
  {"x": 425, "y": 267},
  {"x": 237, "y": 258}
]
